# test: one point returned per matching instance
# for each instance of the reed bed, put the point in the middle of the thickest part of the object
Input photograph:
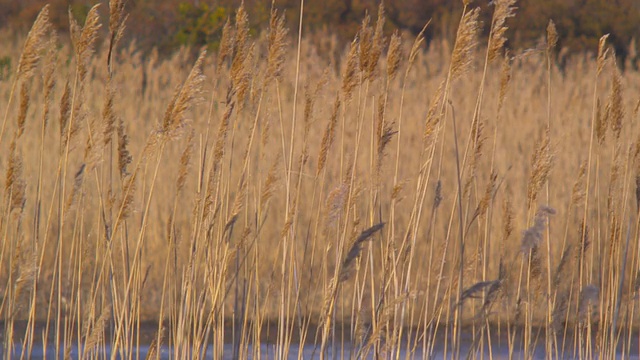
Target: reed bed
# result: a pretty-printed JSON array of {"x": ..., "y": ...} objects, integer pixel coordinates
[{"x": 395, "y": 200}]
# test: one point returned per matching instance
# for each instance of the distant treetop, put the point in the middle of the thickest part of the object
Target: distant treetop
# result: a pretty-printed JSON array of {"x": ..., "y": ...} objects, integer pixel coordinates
[{"x": 169, "y": 24}]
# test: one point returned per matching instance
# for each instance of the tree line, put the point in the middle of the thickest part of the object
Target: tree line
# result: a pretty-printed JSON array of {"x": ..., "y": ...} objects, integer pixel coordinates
[{"x": 170, "y": 24}]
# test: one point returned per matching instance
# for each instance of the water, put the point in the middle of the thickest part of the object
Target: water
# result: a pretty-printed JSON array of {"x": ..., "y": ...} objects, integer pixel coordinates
[{"x": 268, "y": 351}]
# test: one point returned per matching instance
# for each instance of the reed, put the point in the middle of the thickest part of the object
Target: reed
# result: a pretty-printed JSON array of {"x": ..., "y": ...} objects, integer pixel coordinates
[{"x": 404, "y": 200}]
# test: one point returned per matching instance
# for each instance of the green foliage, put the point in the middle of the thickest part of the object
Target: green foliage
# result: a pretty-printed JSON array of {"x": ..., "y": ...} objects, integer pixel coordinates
[
  {"x": 200, "y": 25},
  {"x": 79, "y": 11}
]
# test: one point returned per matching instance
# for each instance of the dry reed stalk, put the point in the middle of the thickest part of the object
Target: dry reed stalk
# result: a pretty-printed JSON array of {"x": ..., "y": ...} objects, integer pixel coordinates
[
  {"x": 173, "y": 121},
  {"x": 95, "y": 336}
]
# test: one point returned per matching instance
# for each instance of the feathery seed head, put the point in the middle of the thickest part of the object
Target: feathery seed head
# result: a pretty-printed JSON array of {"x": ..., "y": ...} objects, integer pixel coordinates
[
  {"x": 601, "y": 123},
  {"x": 393, "y": 55},
  {"x": 376, "y": 43},
  {"x": 541, "y": 163},
  {"x": 349, "y": 77},
  {"x": 589, "y": 297},
  {"x": 615, "y": 108},
  {"x": 364, "y": 41},
  {"x": 602, "y": 54},
  {"x": 226, "y": 43},
  {"x": 504, "y": 10},
  {"x": 174, "y": 119},
  {"x": 277, "y": 45},
  {"x": 25, "y": 97},
  {"x": 83, "y": 38},
  {"x": 505, "y": 79},
  {"x": 532, "y": 236},
  {"x": 34, "y": 44},
  {"x": 466, "y": 41},
  {"x": 329, "y": 134},
  {"x": 552, "y": 36},
  {"x": 48, "y": 78},
  {"x": 185, "y": 160}
]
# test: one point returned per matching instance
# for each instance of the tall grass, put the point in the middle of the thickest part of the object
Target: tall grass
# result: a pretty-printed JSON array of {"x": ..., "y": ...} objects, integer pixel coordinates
[{"x": 460, "y": 200}]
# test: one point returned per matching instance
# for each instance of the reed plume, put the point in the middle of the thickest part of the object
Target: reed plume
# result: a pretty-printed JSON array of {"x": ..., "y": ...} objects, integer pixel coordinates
[
  {"x": 466, "y": 41},
  {"x": 25, "y": 98},
  {"x": 504, "y": 9},
  {"x": 394, "y": 55},
  {"x": 34, "y": 45},
  {"x": 328, "y": 136},
  {"x": 505, "y": 79},
  {"x": 83, "y": 39},
  {"x": 541, "y": 163},
  {"x": 109, "y": 117},
  {"x": 117, "y": 21},
  {"x": 602, "y": 54},
  {"x": 226, "y": 43},
  {"x": 277, "y": 45},
  {"x": 552, "y": 36},
  {"x": 532, "y": 237},
  {"x": 15, "y": 186},
  {"x": 349, "y": 76},
  {"x": 240, "y": 65},
  {"x": 124, "y": 157},
  {"x": 589, "y": 297},
  {"x": 175, "y": 116},
  {"x": 355, "y": 249},
  {"x": 614, "y": 111},
  {"x": 185, "y": 161}
]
